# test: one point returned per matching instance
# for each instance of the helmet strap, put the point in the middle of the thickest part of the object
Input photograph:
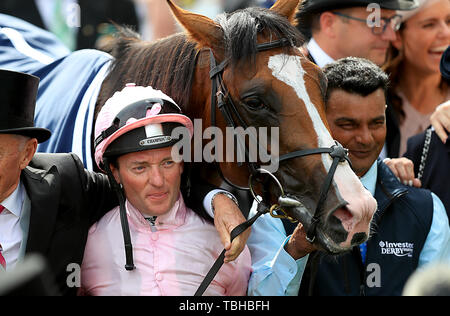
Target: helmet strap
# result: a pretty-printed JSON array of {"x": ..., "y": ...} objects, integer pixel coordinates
[{"x": 129, "y": 266}]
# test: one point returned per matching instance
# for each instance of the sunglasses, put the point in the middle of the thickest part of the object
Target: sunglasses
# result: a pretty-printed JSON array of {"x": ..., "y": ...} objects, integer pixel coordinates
[{"x": 394, "y": 22}]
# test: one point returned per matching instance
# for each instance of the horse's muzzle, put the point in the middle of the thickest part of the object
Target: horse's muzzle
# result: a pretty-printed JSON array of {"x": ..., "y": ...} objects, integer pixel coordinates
[{"x": 336, "y": 232}]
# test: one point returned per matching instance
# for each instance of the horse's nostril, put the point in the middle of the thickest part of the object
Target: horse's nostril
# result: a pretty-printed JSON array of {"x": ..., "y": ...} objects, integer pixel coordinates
[
  {"x": 358, "y": 238},
  {"x": 336, "y": 230}
]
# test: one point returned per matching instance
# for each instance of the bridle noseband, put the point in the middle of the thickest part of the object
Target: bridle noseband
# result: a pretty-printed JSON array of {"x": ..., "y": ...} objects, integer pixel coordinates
[{"x": 220, "y": 96}]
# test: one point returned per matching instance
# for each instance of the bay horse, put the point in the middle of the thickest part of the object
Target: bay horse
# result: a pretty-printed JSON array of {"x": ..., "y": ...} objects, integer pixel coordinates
[{"x": 248, "y": 64}]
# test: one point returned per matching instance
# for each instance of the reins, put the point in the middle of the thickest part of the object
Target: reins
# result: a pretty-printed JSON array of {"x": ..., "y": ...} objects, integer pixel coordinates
[{"x": 221, "y": 98}]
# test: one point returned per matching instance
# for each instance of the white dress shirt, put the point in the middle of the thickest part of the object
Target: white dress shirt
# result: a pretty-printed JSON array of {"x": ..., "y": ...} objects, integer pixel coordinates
[
  {"x": 320, "y": 57},
  {"x": 11, "y": 234}
]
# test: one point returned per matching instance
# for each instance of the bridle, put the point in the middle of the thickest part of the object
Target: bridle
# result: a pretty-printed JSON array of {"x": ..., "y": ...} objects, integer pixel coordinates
[{"x": 220, "y": 96}]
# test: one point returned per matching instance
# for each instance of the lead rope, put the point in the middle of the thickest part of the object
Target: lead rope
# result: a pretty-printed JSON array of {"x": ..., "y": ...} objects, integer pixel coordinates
[
  {"x": 338, "y": 154},
  {"x": 262, "y": 209}
]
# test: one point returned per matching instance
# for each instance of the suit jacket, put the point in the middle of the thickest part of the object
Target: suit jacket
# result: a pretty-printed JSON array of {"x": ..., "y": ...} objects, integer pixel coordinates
[
  {"x": 64, "y": 201},
  {"x": 437, "y": 166},
  {"x": 94, "y": 15}
]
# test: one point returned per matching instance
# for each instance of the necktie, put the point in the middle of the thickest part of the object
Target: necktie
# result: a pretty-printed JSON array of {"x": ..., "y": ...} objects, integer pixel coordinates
[{"x": 2, "y": 259}]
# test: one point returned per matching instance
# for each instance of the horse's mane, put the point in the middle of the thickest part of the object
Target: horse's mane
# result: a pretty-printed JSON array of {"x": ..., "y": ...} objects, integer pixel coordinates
[
  {"x": 168, "y": 64},
  {"x": 242, "y": 27}
]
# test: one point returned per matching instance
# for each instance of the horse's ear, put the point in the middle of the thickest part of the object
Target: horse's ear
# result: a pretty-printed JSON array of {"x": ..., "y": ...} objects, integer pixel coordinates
[
  {"x": 201, "y": 29},
  {"x": 287, "y": 8}
]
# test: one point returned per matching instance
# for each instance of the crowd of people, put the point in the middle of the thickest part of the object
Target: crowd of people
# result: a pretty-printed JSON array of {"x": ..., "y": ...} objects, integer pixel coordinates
[
  {"x": 89, "y": 24},
  {"x": 387, "y": 102}
]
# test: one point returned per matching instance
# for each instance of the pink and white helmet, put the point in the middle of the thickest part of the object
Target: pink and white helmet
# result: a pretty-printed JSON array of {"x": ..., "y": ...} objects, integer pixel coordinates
[{"x": 136, "y": 119}]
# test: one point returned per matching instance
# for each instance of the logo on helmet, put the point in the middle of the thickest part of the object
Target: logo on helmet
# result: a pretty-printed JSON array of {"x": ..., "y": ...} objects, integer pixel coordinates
[{"x": 155, "y": 140}]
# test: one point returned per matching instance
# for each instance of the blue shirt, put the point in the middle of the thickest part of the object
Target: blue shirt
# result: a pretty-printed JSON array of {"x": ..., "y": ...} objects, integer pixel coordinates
[{"x": 276, "y": 273}]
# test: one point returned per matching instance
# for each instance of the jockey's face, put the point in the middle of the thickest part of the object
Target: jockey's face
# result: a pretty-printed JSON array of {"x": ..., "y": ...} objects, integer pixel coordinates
[
  {"x": 151, "y": 180},
  {"x": 16, "y": 153}
]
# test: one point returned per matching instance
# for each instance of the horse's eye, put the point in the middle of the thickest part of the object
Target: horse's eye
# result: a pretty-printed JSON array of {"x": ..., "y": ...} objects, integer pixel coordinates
[{"x": 254, "y": 104}]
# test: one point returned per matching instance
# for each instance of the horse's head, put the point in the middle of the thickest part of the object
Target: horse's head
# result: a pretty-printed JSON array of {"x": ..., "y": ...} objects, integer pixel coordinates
[{"x": 274, "y": 85}]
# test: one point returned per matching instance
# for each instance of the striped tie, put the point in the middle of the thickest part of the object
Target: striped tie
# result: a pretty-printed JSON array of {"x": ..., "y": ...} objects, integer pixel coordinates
[{"x": 2, "y": 259}]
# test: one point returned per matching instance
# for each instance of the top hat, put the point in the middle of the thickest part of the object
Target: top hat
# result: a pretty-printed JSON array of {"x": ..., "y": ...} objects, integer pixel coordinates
[
  {"x": 17, "y": 103},
  {"x": 310, "y": 7},
  {"x": 445, "y": 64}
]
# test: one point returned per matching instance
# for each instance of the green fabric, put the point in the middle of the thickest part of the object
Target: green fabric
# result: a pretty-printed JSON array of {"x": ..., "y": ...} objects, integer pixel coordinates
[{"x": 60, "y": 27}]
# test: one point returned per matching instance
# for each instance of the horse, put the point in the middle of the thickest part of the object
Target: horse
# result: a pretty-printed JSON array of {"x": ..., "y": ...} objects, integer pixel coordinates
[{"x": 248, "y": 65}]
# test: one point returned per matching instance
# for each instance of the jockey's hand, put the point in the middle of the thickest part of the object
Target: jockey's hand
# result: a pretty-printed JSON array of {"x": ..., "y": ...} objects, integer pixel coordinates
[
  {"x": 298, "y": 246},
  {"x": 403, "y": 169},
  {"x": 227, "y": 216},
  {"x": 440, "y": 120}
]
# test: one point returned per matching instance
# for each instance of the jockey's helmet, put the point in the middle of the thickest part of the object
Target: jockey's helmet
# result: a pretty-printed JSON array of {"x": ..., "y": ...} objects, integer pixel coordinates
[{"x": 137, "y": 119}]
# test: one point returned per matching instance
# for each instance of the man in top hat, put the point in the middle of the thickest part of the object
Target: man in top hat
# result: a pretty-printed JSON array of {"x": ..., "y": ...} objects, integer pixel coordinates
[
  {"x": 342, "y": 28},
  {"x": 49, "y": 201}
]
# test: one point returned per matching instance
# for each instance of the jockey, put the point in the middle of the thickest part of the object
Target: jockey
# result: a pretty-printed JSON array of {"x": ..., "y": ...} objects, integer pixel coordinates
[
  {"x": 66, "y": 102},
  {"x": 134, "y": 140}
]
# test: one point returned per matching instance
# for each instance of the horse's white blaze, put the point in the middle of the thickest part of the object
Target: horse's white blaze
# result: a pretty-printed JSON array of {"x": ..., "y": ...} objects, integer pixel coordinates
[{"x": 288, "y": 69}]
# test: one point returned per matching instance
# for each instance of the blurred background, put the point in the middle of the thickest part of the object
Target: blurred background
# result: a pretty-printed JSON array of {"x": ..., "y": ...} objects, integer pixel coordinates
[{"x": 89, "y": 24}]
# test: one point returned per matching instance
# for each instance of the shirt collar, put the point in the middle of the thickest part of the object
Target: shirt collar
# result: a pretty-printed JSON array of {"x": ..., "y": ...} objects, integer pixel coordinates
[
  {"x": 173, "y": 218},
  {"x": 14, "y": 202},
  {"x": 369, "y": 180},
  {"x": 320, "y": 57}
]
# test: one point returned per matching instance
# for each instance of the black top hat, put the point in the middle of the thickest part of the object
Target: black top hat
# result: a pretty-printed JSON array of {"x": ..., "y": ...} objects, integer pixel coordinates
[
  {"x": 17, "y": 103},
  {"x": 445, "y": 64},
  {"x": 311, "y": 7}
]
